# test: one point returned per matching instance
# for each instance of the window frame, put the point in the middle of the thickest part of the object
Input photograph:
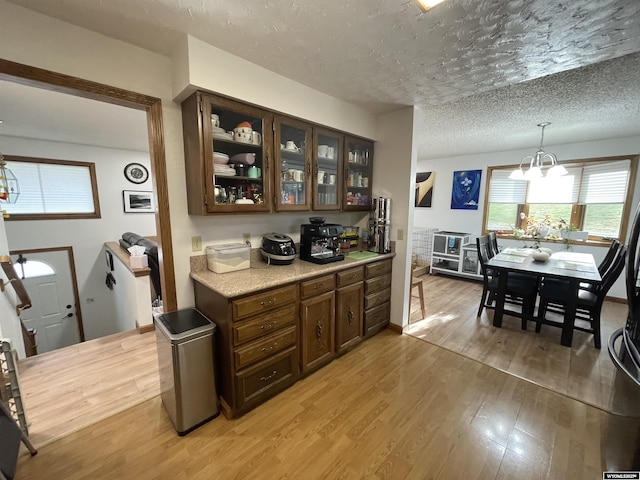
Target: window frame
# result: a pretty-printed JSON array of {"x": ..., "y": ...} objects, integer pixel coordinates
[
  {"x": 577, "y": 210},
  {"x": 59, "y": 216}
]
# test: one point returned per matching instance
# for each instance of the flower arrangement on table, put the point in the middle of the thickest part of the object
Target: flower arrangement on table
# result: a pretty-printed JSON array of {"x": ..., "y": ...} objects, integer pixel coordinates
[{"x": 536, "y": 229}]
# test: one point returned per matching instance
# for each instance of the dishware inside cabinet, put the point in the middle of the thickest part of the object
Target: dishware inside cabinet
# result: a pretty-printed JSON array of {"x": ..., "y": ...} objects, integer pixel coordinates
[
  {"x": 326, "y": 175},
  {"x": 227, "y": 148},
  {"x": 358, "y": 169},
  {"x": 293, "y": 145}
]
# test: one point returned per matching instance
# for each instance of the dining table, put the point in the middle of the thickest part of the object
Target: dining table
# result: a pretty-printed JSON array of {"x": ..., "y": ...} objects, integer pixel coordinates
[{"x": 571, "y": 267}]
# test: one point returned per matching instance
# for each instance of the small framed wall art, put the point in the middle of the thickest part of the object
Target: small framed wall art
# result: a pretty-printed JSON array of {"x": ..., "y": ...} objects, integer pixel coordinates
[
  {"x": 424, "y": 188},
  {"x": 138, "y": 202},
  {"x": 465, "y": 192}
]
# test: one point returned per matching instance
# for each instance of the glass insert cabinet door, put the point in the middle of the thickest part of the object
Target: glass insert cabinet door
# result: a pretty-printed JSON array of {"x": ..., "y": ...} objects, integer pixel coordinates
[
  {"x": 327, "y": 169},
  {"x": 357, "y": 172},
  {"x": 293, "y": 145},
  {"x": 238, "y": 163}
]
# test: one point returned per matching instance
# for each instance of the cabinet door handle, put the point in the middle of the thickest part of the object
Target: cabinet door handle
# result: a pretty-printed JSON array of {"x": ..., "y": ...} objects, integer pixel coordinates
[
  {"x": 269, "y": 377},
  {"x": 265, "y": 349},
  {"x": 351, "y": 316},
  {"x": 318, "y": 331},
  {"x": 267, "y": 326}
]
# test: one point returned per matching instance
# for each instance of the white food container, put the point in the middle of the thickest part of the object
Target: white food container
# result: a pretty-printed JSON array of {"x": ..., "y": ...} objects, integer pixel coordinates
[{"x": 228, "y": 257}]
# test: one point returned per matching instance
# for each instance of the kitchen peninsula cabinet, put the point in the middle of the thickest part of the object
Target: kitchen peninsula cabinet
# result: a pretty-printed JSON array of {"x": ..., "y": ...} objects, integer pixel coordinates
[
  {"x": 277, "y": 324},
  {"x": 212, "y": 187},
  {"x": 317, "y": 321},
  {"x": 358, "y": 172}
]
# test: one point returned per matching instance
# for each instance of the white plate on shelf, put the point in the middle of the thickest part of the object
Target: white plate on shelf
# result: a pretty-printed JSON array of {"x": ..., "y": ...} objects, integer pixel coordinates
[{"x": 222, "y": 136}]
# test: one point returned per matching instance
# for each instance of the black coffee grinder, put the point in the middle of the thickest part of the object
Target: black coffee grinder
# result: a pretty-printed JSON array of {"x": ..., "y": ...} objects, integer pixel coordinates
[{"x": 320, "y": 242}]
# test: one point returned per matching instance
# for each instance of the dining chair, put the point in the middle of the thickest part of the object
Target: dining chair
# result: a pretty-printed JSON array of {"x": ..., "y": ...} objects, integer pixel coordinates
[
  {"x": 520, "y": 291},
  {"x": 553, "y": 297},
  {"x": 604, "y": 265},
  {"x": 493, "y": 243}
]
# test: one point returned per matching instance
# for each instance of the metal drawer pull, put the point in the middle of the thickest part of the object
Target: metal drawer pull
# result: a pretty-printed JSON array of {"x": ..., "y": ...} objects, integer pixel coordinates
[
  {"x": 265, "y": 349},
  {"x": 267, "y": 326},
  {"x": 351, "y": 316},
  {"x": 318, "y": 331},
  {"x": 270, "y": 302},
  {"x": 321, "y": 285},
  {"x": 268, "y": 377}
]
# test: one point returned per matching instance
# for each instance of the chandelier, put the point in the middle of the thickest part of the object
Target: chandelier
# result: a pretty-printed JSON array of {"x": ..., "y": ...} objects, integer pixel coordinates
[{"x": 536, "y": 163}]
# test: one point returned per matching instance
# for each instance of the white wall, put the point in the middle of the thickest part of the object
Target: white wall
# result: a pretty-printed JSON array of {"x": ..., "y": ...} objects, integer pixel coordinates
[
  {"x": 85, "y": 236},
  {"x": 442, "y": 217},
  {"x": 394, "y": 173}
]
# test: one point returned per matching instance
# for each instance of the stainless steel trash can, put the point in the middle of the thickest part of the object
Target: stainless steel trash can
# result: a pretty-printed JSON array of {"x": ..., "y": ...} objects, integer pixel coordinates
[{"x": 186, "y": 362}]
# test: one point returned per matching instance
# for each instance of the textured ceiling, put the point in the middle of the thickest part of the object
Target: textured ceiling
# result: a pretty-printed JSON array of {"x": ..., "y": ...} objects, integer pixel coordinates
[{"x": 458, "y": 62}]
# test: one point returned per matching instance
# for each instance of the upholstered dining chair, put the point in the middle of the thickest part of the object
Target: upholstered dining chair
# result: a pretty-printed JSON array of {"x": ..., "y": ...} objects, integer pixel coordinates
[
  {"x": 553, "y": 297},
  {"x": 520, "y": 291}
]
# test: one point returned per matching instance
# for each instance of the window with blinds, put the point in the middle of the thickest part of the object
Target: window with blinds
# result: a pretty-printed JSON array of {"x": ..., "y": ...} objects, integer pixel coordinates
[
  {"x": 592, "y": 197},
  {"x": 53, "y": 189}
]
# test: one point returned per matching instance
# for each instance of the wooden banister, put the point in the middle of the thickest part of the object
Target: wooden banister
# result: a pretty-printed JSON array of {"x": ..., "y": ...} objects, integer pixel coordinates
[{"x": 28, "y": 334}]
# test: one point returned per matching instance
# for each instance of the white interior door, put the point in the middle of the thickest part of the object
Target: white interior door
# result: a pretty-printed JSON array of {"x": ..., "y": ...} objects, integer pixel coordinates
[{"x": 53, "y": 311}]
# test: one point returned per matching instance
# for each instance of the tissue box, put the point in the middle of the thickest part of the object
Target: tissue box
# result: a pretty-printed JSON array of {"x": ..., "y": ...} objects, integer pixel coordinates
[
  {"x": 228, "y": 257},
  {"x": 139, "y": 261}
]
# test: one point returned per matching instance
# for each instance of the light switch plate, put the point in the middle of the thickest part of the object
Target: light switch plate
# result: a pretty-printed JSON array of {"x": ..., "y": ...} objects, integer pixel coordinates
[{"x": 196, "y": 244}]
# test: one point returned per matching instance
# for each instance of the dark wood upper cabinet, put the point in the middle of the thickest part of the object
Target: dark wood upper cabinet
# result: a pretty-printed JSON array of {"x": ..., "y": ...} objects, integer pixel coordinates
[
  {"x": 327, "y": 169},
  {"x": 358, "y": 170},
  {"x": 293, "y": 151}
]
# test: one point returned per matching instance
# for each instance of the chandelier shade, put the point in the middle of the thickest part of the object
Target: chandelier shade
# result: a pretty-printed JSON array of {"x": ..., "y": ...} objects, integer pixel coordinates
[{"x": 537, "y": 163}]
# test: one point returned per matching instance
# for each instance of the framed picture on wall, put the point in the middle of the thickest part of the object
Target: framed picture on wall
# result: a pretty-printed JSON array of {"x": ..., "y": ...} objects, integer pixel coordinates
[
  {"x": 465, "y": 192},
  {"x": 138, "y": 201},
  {"x": 424, "y": 188}
]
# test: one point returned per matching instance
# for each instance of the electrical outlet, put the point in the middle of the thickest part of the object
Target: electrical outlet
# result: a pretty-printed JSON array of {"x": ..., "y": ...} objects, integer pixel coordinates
[
  {"x": 400, "y": 234},
  {"x": 196, "y": 244},
  {"x": 246, "y": 238}
]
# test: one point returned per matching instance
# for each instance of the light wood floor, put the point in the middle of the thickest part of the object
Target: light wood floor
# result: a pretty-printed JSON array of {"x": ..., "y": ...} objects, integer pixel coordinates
[
  {"x": 68, "y": 389},
  {"x": 395, "y": 407},
  {"x": 582, "y": 371}
]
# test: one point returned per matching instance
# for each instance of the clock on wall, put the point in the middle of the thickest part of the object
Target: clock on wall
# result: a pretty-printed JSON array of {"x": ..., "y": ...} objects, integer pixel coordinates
[{"x": 136, "y": 173}]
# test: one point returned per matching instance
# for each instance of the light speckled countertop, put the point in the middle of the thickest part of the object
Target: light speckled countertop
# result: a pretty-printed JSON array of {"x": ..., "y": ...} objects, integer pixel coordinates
[{"x": 262, "y": 276}]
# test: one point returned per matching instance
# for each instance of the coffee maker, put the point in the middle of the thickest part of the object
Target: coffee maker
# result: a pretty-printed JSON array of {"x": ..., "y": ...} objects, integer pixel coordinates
[{"x": 320, "y": 242}]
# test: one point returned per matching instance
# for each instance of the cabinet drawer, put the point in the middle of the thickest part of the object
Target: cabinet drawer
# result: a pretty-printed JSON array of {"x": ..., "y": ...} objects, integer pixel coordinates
[
  {"x": 317, "y": 286},
  {"x": 376, "y": 318},
  {"x": 378, "y": 298},
  {"x": 264, "y": 325},
  {"x": 263, "y": 302},
  {"x": 265, "y": 347},
  {"x": 353, "y": 275},
  {"x": 378, "y": 268},
  {"x": 267, "y": 378},
  {"x": 377, "y": 283}
]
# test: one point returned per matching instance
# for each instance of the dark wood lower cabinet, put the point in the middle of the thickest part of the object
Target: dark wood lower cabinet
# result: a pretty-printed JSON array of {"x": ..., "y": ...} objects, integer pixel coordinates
[
  {"x": 264, "y": 341},
  {"x": 349, "y": 316},
  {"x": 317, "y": 318}
]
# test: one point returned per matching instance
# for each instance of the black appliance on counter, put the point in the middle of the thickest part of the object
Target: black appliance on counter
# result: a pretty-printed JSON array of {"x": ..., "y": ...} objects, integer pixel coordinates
[
  {"x": 320, "y": 242},
  {"x": 278, "y": 249}
]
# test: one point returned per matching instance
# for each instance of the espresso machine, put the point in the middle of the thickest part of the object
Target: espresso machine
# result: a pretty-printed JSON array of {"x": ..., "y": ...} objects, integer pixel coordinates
[{"x": 320, "y": 242}]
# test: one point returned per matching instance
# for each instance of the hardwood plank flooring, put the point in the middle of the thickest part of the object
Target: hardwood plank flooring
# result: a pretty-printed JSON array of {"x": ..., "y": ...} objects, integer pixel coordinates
[
  {"x": 395, "y": 408},
  {"x": 581, "y": 372},
  {"x": 68, "y": 389}
]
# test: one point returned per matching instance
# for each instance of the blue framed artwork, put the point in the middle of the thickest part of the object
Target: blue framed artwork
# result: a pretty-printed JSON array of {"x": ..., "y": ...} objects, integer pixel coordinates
[{"x": 465, "y": 193}]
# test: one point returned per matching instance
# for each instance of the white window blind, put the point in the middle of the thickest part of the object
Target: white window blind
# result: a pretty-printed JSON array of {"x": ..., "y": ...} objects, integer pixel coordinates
[
  {"x": 604, "y": 182},
  {"x": 503, "y": 190},
  {"x": 51, "y": 188},
  {"x": 564, "y": 189}
]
